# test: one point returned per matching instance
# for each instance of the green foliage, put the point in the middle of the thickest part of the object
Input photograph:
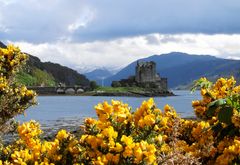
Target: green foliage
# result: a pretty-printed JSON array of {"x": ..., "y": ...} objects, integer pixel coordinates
[
  {"x": 43, "y": 78},
  {"x": 93, "y": 85},
  {"x": 212, "y": 107},
  {"x": 121, "y": 89},
  {"x": 225, "y": 114},
  {"x": 116, "y": 84},
  {"x": 26, "y": 79},
  {"x": 201, "y": 83},
  {"x": 65, "y": 75},
  {"x": 36, "y": 77}
]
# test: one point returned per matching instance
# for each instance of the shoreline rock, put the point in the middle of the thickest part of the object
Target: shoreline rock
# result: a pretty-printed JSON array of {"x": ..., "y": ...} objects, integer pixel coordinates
[
  {"x": 136, "y": 94},
  {"x": 126, "y": 94}
]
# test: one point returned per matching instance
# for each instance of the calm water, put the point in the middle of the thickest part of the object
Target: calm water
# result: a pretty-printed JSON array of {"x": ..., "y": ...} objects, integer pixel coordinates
[{"x": 58, "y": 108}]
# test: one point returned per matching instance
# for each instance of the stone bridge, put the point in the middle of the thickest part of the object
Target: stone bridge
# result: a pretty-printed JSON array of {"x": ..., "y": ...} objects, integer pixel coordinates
[{"x": 71, "y": 90}]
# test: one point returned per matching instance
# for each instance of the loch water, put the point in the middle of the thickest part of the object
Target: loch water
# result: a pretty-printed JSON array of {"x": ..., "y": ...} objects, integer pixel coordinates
[{"x": 67, "y": 110}]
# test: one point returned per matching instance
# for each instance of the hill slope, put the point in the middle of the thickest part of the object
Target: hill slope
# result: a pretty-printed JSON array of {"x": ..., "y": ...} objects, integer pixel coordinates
[
  {"x": 182, "y": 68},
  {"x": 37, "y": 73}
]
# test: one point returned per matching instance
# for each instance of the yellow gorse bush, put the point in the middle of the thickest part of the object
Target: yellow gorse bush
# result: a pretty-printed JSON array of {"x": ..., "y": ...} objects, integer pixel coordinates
[
  {"x": 127, "y": 137},
  {"x": 14, "y": 97},
  {"x": 147, "y": 135},
  {"x": 116, "y": 138}
]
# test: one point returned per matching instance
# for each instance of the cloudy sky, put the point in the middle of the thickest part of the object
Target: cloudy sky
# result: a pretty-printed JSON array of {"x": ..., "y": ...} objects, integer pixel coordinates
[{"x": 89, "y": 34}]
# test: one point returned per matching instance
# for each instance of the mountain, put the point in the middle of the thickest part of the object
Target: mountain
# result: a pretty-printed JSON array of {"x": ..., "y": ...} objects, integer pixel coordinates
[
  {"x": 182, "y": 68},
  {"x": 98, "y": 75},
  {"x": 2, "y": 45},
  {"x": 37, "y": 73},
  {"x": 65, "y": 75}
]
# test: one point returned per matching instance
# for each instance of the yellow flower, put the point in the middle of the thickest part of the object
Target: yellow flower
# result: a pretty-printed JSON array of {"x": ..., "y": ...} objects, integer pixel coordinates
[
  {"x": 165, "y": 148},
  {"x": 118, "y": 147},
  {"x": 138, "y": 153},
  {"x": 109, "y": 132},
  {"x": 149, "y": 120},
  {"x": 128, "y": 152},
  {"x": 116, "y": 158},
  {"x": 236, "y": 118},
  {"x": 90, "y": 121},
  {"x": 164, "y": 121},
  {"x": 62, "y": 135},
  {"x": 127, "y": 140},
  {"x": 203, "y": 92}
]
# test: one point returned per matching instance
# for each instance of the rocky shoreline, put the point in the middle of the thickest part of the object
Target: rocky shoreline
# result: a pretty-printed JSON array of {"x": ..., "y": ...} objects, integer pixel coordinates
[
  {"x": 135, "y": 94},
  {"x": 104, "y": 93},
  {"x": 73, "y": 125},
  {"x": 50, "y": 129}
]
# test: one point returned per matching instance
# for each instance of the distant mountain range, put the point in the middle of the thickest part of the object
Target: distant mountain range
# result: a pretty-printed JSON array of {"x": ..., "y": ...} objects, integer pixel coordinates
[
  {"x": 182, "y": 69},
  {"x": 37, "y": 73},
  {"x": 98, "y": 75}
]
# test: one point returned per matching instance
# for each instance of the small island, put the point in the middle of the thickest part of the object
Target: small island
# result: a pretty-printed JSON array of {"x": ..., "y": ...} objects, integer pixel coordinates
[{"x": 145, "y": 82}]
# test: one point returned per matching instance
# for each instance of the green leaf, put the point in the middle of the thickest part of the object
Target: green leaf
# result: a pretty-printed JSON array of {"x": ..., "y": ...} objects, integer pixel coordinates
[
  {"x": 217, "y": 127},
  {"x": 201, "y": 83},
  {"x": 227, "y": 131},
  {"x": 228, "y": 101},
  {"x": 213, "y": 106},
  {"x": 211, "y": 111},
  {"x": 225, "y": 115},
  {"x": 218, "y": 102}
]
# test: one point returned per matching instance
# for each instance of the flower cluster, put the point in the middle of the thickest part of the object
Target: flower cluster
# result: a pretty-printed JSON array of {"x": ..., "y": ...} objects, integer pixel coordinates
[
  {"x": 117, "y": 137},
  {"x": 31, "y": 149},
  {"x": 124, "y": 137},
  {"x": 220, "y": 108},
  {"x": 10, "y": 60},
  {"x": 14, "y": 97},
  {"x": 211, "y": 92}
]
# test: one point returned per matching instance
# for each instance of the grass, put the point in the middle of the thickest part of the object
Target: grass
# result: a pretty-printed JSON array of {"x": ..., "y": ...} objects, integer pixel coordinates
[
  {"x": 37, "y": 77},
  {"x": 120, "y": 89}
]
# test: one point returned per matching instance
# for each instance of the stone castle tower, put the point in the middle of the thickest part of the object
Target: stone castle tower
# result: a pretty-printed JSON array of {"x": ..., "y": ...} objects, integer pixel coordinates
[
  {"x": 146, "y": 72},
  {"x": 145, "y": 76}
]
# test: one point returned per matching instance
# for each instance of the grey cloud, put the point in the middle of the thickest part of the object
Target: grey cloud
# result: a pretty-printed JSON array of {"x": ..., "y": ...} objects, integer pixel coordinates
[
  {"x": 156, "y": 39},
  {"x": 40, "y": 21},
  {"x": 48, "y": 20},
  {"x": 170, "y": 38},
  {"x": 152, "y": 39}
]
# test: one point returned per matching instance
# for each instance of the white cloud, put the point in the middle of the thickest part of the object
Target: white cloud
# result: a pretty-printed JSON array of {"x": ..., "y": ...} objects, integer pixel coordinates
[
  {"x": 120, "y": 52},
  {"x": 83, "y": 20}
]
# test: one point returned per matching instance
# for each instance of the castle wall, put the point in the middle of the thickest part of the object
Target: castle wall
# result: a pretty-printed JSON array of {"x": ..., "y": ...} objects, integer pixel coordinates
[
  {"x": 146, "y": 77},
  {"x": 163, "y": 84}
]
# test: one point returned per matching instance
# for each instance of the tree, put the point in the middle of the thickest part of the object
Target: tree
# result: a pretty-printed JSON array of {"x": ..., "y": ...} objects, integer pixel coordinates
[
  {"x": 116, "y": 84},
  {"x": 15, "y": 98},
  {"x": 93, "y": 85}
]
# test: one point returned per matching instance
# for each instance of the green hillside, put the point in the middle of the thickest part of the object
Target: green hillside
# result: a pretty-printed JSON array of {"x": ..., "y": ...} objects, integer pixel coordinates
[
  {"x": 36, "y": 77},
  {"x": 37, "y": 73}
]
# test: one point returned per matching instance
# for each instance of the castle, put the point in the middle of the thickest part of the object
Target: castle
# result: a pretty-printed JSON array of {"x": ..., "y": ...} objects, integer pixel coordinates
[{"x": 145, "y": 76}]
